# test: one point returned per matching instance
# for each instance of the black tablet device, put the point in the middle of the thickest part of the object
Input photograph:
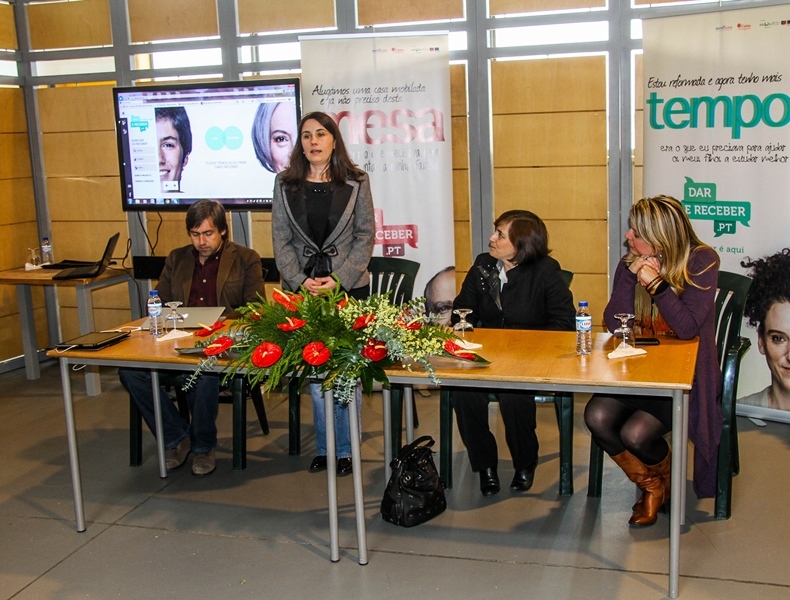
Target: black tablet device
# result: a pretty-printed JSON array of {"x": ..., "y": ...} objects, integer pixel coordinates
[{"x": 94, "y": 340}]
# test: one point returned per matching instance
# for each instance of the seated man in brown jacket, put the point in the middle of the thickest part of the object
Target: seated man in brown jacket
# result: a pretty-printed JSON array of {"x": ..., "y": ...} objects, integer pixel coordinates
[{"x": 211, "y": 271}]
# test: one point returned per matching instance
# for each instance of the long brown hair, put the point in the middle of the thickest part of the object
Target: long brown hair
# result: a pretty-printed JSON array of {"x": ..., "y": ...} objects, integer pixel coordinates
[{"x": 341, "y": 167}]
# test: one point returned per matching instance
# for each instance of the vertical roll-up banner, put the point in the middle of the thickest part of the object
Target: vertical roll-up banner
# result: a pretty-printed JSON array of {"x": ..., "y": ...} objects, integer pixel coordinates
[
  {"x": 717, "y": 137},
  {"x": 390, "y": 96}
]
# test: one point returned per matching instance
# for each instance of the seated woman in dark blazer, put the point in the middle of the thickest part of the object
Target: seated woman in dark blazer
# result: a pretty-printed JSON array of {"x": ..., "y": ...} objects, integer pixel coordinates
[{"x": 515, "y": 285}]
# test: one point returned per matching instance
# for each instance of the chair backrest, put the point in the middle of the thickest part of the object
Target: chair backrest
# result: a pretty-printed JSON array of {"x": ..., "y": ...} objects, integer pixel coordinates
[
  {"x": 270, "y": 272},
  {"x": 393, "y": 274},
  {"x": 730, "y": 299},
  {"x": 148, "y": 267},
  {"x": 567, "y": 276}
]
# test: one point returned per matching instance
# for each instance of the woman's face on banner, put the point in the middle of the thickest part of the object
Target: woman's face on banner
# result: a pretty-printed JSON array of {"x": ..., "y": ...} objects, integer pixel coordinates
[
  {"x": 774, "y": 343},
  {"x": 283, "y": 134}
]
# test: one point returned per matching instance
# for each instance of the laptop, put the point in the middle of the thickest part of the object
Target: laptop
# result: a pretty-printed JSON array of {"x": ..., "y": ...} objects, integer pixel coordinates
[
  {"x": 92, "y": 269},
  {"x": 95, "y": 340},
  {"x": 195, "y": 317}
]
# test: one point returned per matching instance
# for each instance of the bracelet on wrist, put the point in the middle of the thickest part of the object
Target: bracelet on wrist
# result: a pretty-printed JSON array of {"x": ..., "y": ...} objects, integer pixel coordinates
[{"x": 658, "y": 288}]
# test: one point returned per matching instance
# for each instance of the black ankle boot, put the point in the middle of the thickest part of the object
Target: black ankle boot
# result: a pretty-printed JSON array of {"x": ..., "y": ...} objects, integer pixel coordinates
[{"x": 489, "y": 482}]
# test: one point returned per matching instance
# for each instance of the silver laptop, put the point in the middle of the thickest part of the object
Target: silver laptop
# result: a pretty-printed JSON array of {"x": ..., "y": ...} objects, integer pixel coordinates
[{"x": 195, "y": 317}]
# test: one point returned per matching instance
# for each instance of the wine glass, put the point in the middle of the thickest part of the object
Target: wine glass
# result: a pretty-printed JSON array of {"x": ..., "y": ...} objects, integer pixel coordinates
[
  {"x": 34, "y": 258},
  {"x": 463, "y": 325},
  {"x": 174, "y": 315},
  {"x": 624, "y": 331}
]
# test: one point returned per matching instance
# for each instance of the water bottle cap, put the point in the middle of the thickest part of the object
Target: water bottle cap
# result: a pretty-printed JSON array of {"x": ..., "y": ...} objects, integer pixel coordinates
[
  {"x": 582, "y": 302},
  {"x": 153, "y": 293},
  {"x": 46, "y": 239}
]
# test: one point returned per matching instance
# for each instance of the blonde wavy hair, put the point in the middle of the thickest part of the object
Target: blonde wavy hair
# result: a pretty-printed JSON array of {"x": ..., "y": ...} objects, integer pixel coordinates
[{"x": 662, "y": 222}]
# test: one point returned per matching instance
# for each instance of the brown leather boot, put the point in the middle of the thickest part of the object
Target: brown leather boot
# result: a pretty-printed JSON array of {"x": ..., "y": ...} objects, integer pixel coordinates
[
  {"x": 656, "y": 493},
  {"x": 654, "y": 483}
]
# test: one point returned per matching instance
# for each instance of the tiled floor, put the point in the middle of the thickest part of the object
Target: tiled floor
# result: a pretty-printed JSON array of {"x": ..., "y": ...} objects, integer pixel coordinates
[{"x": 263, "y": 533}]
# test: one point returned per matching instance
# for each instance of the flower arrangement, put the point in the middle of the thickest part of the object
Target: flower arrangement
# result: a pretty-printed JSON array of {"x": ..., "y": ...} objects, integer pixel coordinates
[{"x": 341, "y": 339}]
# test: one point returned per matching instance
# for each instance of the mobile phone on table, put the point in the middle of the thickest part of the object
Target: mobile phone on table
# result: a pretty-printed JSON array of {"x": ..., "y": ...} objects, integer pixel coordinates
[{"x": 647, "y": 341}]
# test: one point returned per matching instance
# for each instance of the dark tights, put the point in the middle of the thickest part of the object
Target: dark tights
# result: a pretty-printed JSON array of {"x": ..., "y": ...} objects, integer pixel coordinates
[{"x": 636, "y": 425}]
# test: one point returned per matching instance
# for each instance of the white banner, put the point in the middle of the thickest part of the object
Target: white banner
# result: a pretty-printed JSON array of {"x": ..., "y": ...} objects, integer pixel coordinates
[
  {"x": 390, "y": 96},
  {"x": 716, "y": 134}
]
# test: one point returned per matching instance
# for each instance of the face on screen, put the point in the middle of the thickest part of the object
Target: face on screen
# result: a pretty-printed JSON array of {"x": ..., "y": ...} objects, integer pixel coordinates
[
  {"x": 283, "y": 134},
  {"x": 171, "y": 155}
]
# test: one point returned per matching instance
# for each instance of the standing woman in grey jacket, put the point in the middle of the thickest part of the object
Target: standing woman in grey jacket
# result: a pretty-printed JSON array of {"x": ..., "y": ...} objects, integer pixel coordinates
[{"x": 322, "y": 228}]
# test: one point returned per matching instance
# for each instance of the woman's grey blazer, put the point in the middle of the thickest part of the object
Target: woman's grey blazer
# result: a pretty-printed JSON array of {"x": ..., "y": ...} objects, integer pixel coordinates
[{"x": 350, "y": 242}]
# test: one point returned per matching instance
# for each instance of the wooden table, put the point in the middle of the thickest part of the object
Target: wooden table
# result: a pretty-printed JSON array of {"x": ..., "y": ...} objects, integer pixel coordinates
[
  {"x": 25, "y": 280},
  {"x": 528, "y": 360},
  {"x": 547, "y": 361}
]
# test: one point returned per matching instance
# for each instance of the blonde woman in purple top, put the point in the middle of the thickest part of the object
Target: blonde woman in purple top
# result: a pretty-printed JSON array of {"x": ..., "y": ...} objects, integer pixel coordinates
[{"x": 668, "y": 280}]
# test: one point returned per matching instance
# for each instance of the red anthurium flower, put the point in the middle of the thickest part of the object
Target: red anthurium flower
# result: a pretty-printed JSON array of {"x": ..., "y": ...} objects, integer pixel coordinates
[
  {"x": 286, "y": 300},
  {"x": 457, "y": 351},
  {"x": 316, "y": 353},
  {"x": 412, "y": 325},
  {"x": 363, "y": 321},
  {"x": 266, "y": 354},
  {"x": 374, "y": 350},
  {"x": 292, "y": 324},
  {"x": 342, "y": 303},
  {"x": 218, "y": 346}
]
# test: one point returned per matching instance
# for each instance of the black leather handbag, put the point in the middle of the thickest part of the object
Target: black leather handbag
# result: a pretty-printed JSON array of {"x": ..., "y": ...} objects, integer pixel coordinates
[{"x": 414, "y": 493}]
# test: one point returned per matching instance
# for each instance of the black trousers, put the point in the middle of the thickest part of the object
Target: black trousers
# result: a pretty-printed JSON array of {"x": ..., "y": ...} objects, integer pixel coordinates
[{"x": 518, "y": 415}]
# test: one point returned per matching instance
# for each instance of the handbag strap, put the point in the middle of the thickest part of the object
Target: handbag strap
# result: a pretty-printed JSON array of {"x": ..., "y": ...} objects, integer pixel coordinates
[{"x": 406, "y": 450}]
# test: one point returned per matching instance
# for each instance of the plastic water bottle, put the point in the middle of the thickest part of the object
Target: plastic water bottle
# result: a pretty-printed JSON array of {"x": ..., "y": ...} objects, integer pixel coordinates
[
  {"x": 583, "y": 329},
  {"x": 46, "y": 252},
  {"x": 155, "y": 314}
]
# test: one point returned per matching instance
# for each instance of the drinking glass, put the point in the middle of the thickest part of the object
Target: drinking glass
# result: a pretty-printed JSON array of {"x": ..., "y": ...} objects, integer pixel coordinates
[
  {"x": 34, "y": 259},
  {"x": 463, "y": 325},
  {"x": 624, "y": 331},
  {"x": 174, "y": 315}
]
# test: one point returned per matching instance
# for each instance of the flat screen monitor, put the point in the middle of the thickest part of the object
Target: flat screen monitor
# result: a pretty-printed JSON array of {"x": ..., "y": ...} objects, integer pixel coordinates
[{"x": 226, "y": 141}]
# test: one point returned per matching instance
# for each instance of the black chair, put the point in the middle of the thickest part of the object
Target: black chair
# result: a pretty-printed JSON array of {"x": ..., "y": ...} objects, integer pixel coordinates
[
  {"x": 730, "y": 346},
  {"x": 394, "y": 275},
  {"x": 563, "y": 408},
  {"x": 236, "y": 392}
]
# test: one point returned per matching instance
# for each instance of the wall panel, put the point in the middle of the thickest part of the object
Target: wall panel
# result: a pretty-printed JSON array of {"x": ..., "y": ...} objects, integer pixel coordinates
[
  {"x": 72, "y": 198},
  {"x": 14, "y": 156},
  {"x": 18, "y": 227},
  {"x": 12, "y": 117},
  {"x": 8, "y": 39},
  {"x": 375, "y": 12},
  {"x": 550, "y": 139},
  {"x": 273, "y": 15},
  {"x": 556, "y": 85},
  {"x": 509, "y": 7},
  {"x": 152, "y": 20},
  {"x": 553, "y": 192},
  {"x": 79, "y": 154},
  {"x": 70, "y": 24},
  {"x": 76, "y": 108},
  {"x": 17, "y": 203},
  {"x": 550, "y": 156}
]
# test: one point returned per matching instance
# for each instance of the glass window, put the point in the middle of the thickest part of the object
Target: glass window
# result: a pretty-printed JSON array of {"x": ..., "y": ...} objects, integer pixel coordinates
[
  {"x": 73, "y": 66},
  {"x": 536, "y": 35},
  {"x": 8, "y": 68},
  {"x": 175, "y": 59},
  {"x": 270, "y": 52}
]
